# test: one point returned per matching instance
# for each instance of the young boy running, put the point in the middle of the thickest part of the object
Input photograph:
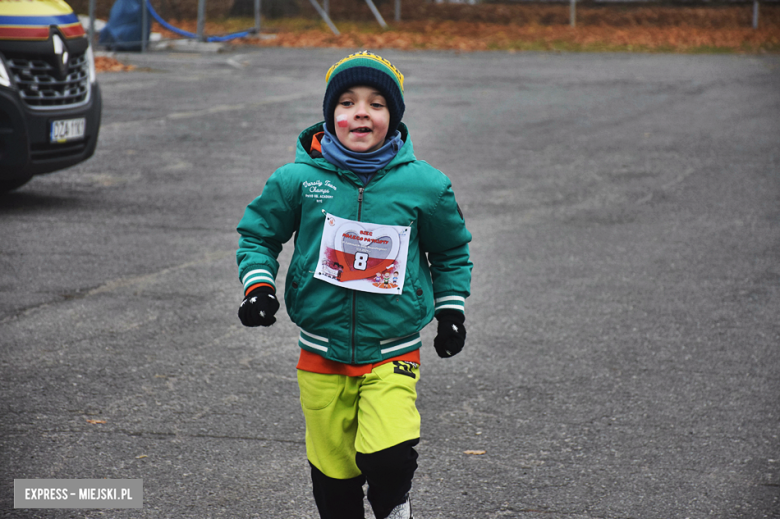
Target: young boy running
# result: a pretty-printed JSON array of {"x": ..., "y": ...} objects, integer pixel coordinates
[{"x": 360, "y": 207}]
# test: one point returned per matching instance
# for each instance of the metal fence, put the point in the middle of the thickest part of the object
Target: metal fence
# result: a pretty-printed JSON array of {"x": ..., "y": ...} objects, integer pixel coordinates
[{"x": 394, "y": 8}]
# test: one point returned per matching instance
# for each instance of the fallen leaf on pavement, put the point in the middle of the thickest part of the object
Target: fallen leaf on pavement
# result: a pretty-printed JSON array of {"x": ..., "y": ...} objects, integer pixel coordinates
[{"x": 108, "y": 64}]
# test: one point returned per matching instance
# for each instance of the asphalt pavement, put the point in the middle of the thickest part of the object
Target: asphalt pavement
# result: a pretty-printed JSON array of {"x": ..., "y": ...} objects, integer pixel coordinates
[{"x": 623, "y": 352}]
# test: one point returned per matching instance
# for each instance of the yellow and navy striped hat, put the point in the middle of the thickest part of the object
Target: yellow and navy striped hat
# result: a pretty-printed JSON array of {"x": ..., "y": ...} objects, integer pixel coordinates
[{"x": 367, "y": 69}]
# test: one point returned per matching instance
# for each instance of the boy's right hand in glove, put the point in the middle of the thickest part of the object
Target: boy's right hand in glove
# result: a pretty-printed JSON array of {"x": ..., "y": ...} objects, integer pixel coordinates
[
  {"x": 259, "y": 307},
  {"x": 451, "y": 336}
]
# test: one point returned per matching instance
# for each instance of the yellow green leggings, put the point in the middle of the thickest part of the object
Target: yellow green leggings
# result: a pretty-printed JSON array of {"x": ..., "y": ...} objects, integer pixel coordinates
[{"x": 357, "y": 429}]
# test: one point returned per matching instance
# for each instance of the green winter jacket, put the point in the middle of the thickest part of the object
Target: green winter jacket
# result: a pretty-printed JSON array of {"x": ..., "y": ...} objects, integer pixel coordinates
[{"x": 344, "y": 325}]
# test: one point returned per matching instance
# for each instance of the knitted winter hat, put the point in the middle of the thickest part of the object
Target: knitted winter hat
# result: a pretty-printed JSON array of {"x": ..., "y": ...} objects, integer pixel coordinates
[{"x": 368, "y": 69}]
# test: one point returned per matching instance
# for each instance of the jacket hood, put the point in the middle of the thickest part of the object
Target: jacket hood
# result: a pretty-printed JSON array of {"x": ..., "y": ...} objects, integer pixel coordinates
[{"x": 404, "y": 155}]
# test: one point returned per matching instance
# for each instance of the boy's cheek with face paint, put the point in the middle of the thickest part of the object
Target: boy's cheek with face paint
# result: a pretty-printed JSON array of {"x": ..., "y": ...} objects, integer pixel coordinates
[{"x": 341, "y": 121}]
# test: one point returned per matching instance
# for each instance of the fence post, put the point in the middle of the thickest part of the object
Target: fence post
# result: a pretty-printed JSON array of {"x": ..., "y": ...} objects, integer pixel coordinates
[
  {"x": 201, "y": 19},
  {"x": 257, "y": 16},
  {"x": 144, "y": 26},
  {"x": 92, "y": 23},
  {"x": 755, "y": 14},
  {"x": 376, "y": 14},
  {"x": 397, "y": 10},
  {"x": 325, "y": 17},
  {"x": 573, "y": 13}
]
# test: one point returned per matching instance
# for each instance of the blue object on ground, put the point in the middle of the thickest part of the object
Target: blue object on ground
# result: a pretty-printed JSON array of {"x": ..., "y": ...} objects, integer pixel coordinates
[
  {"x": 187, "y": 34},
  {"x": 123, "y": 30}
]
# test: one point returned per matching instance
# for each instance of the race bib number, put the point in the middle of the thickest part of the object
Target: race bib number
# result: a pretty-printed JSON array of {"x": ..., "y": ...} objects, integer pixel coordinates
[{"x": 363, "y": 256}]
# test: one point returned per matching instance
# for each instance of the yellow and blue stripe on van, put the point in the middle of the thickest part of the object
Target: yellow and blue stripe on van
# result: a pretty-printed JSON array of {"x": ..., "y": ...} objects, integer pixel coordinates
[{"x": 32, "y": 28}]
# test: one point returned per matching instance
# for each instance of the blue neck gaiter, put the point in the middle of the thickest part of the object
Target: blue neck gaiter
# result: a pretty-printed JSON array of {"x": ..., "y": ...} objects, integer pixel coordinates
[{"x": 362, "y": 164}]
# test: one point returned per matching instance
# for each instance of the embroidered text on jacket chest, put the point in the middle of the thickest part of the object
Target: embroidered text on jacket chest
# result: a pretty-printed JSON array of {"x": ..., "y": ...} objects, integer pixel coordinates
[{"x": 318, "y": 189}]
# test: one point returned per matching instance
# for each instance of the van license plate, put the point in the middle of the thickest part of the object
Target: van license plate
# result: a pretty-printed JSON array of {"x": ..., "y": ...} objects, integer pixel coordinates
[{"x": 68, "y": 130}]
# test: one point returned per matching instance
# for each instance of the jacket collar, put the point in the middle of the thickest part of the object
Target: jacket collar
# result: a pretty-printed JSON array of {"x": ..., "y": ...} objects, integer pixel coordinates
[{"x": 404, "y": 155}]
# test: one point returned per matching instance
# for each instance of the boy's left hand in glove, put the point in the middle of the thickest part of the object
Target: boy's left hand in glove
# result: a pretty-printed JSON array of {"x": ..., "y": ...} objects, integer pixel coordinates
[
  {"x": 259, "y": 307},
  {"x": 451, "y": 334}
]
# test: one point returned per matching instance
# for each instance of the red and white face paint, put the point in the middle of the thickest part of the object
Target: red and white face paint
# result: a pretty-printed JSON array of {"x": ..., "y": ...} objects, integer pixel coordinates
[{"x": 341, "y": 121}]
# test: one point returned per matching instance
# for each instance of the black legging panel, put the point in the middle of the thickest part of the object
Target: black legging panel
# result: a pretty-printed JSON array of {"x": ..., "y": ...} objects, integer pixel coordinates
[
  {"x": 338, "y": 498},
  {"x": 389, "y": 473}
]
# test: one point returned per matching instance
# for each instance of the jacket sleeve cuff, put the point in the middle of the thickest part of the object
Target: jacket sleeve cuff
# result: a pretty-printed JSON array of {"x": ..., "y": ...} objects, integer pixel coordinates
[
  {"x": 258, "y": 276},
  {"x": 450, "y": 302}
]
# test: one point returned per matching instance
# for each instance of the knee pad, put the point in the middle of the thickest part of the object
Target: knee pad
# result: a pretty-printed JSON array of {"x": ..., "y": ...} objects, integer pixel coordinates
[{"x": 401, "y": 458}]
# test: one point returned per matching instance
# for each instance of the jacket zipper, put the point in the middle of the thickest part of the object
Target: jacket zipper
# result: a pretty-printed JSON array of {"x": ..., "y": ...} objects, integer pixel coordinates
[
  {"x": 354, "y": 294},
  {"x": 360, "y": 202}
]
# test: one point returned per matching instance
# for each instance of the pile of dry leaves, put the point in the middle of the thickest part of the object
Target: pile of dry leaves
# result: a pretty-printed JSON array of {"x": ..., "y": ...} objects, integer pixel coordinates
[{"x": 465, "y": 36}]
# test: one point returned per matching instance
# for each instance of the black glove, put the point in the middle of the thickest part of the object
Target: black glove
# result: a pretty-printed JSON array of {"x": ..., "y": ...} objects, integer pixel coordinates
[
  {"x": 451, "y": 334},
  {"x": 259, "y": 307}
]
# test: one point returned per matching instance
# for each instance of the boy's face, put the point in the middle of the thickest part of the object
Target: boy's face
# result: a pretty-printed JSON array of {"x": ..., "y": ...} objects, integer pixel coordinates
[{"x": 361, "y": 119}]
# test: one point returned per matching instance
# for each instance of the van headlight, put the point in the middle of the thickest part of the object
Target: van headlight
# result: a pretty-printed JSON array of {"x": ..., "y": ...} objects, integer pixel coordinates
[
  {"x": 5, "y": 78},
  {"x": 91, "y": 64}
]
